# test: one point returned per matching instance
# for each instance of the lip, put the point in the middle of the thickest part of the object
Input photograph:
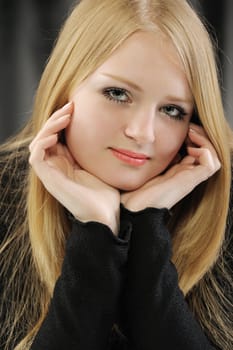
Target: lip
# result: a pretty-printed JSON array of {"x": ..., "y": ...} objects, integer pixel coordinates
[{"x": 130, "y": 157}]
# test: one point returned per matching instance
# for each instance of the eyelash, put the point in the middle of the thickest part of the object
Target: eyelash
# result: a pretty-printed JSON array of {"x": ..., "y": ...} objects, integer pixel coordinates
[
  {"x": 107, "y": 93},
  {"x": 181, "y": 112}
]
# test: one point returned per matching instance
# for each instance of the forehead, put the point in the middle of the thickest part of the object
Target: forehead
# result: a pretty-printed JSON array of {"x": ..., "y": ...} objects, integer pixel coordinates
[
  {"x": 149, "y": 59},
  {"x": 144, "y": 47}
]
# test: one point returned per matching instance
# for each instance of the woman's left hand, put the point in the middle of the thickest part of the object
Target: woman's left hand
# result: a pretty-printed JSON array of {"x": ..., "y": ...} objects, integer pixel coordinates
[{"x": 165, "y": 190}]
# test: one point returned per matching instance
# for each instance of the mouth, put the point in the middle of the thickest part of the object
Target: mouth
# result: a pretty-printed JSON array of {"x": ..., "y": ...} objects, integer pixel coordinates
[{"x": 129, "y": 157}]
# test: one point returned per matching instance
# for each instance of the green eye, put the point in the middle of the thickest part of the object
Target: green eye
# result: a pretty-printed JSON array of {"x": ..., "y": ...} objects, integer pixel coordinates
[{"x": 116, "y": 95}]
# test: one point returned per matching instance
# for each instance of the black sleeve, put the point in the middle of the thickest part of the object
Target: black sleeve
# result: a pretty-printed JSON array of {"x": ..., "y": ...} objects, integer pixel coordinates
[
  {"x": 155, "y": 314},
  {"x": 86, "y": 295}
]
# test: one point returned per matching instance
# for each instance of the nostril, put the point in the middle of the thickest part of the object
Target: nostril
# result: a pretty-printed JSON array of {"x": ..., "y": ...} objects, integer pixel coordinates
[{"x": 140, "y": 134}]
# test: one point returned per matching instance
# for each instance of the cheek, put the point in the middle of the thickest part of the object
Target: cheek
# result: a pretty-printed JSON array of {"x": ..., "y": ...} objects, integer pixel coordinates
[
  {"x": 81, "y": 132},
  {"x": 90, "y": 126},
  {"x": 171, "y": 144}
]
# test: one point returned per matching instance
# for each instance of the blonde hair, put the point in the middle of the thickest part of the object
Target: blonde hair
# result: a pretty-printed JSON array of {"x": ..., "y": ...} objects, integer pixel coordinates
[{"x": 91, "y": 33}]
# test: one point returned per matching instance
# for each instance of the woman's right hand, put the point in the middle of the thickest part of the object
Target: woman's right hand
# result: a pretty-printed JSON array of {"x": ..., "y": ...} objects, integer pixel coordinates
[{"x": 84, "y": 195}]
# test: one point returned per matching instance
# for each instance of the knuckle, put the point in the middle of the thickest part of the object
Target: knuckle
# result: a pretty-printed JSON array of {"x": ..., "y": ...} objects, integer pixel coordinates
[
  {"x": 31, "y": 145},
  {"x": 31, "y": 159},
  {"x": 206, "y": 152},
  {"x": 218, "y": 165}
]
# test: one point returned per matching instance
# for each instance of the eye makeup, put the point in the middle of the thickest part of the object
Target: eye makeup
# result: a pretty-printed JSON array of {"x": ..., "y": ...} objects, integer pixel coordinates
[
  {"x": 116, "y": 94},
  {"x": 174, "y": 111}
]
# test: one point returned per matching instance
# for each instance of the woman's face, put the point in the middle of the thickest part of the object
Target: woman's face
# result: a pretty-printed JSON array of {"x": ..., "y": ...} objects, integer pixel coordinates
[{"x": 131, "y": 116}]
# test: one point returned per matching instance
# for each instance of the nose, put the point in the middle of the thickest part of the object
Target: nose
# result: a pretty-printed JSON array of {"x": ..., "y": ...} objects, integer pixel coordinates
[{"x": 141, "y": 127}]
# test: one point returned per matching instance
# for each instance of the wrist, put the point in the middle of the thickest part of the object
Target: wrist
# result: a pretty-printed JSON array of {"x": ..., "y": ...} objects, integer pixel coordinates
[
  {"x": 134, "y": 206},
  {"x": 110, "y": 220},
  {"x": 113, "y": 224}
]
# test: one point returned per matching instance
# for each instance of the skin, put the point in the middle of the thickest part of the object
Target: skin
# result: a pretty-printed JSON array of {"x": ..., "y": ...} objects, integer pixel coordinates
[
  {"x": 85, "y": 176},
  {"x": 146, "y": 121}
]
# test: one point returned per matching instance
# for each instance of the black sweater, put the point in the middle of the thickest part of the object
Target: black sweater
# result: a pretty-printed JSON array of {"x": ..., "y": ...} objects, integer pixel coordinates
[
  {"x": 120, "y": 292},
  {"x": 131, "y": 279}
]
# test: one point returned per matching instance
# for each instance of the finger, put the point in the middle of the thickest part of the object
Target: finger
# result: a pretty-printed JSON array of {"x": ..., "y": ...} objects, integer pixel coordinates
[
  {"x": 200, "y": 140},
  {"x": 39, "y": 149},
  {"x": 52, "y": 178},
  {"x": 71, "y": 159},
  {"x": 66, "y": 109},
  {"x": 195, "y": 128},
  {"x": 61, "y": 112},
  {"x": 199, "y": 129},
  {"x": 204, "y": 157},
  {"x": 45, "y": 166},
  {"x": 189, "y": 160},
  {"x": 186, "y": 163},
  {"x": 51, "y": 127},
  {"x": 62, "y": 150}
]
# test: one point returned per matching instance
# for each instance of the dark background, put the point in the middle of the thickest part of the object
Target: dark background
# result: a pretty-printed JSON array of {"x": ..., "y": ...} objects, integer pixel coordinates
[{"x": 28, "y": 29}]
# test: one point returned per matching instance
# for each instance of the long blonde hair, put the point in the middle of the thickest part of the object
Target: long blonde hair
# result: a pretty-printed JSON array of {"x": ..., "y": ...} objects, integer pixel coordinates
[{"x": 91, "y": 33}]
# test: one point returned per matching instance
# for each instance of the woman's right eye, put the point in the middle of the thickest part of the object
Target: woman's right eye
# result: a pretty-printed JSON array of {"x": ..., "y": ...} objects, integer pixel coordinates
[{"x": 117, "y": 95}]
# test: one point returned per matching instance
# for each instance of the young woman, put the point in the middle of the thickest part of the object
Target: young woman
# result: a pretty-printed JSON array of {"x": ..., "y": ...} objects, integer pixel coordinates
[{"x": 118, "y": 233}]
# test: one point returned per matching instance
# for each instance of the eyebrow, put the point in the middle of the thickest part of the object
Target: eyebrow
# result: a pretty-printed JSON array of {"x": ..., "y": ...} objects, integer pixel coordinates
[
  {"x": 123, "y": 80},
  {"x": 180, "y": 99},
  {"x": 138, "y": 88}
]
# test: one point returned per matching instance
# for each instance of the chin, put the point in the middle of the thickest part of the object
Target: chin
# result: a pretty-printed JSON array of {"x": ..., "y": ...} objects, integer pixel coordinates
[{"x": 126, "y": 186}]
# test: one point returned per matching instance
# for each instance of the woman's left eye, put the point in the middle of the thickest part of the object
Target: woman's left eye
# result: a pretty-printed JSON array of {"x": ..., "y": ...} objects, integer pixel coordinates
[
  {"x": 118, "y": 95},
  {"x": 173, "y": 111}
]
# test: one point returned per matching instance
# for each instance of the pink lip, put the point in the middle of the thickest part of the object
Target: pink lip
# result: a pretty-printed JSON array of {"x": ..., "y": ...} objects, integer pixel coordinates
[{"x": 130, "y": 157}]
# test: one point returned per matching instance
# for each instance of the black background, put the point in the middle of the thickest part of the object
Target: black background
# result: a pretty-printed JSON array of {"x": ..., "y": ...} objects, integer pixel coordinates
[{"x": 28, "y": 29}]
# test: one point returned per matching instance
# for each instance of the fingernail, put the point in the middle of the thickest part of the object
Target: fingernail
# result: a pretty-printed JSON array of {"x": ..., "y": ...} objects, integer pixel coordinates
[
  {"x": 192, "y": 130},
  {"x": 66, "y": 116},
  {"x": 67, "y": 105}
]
